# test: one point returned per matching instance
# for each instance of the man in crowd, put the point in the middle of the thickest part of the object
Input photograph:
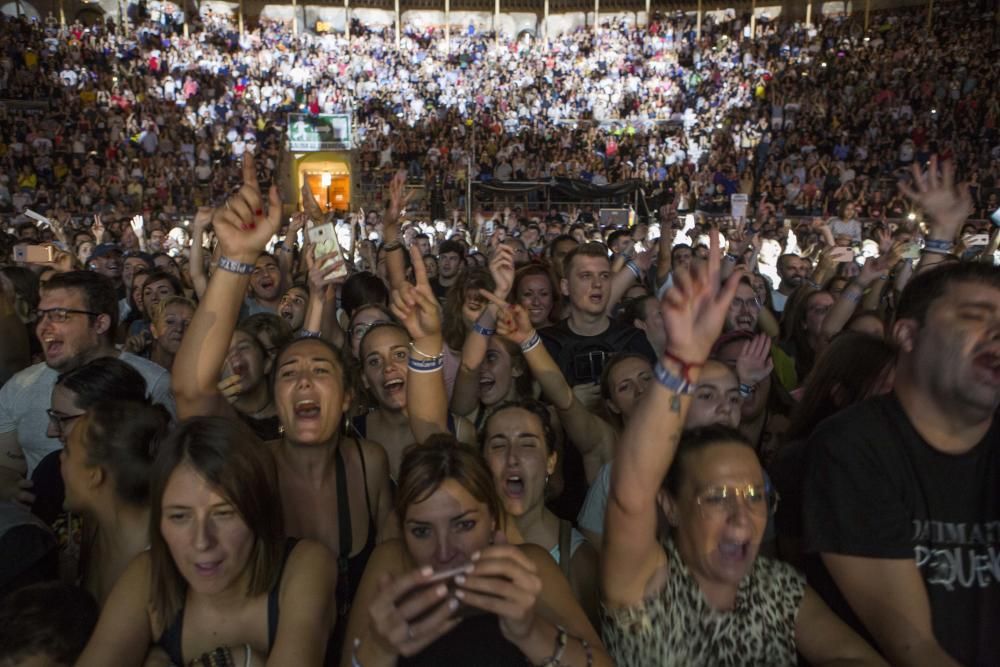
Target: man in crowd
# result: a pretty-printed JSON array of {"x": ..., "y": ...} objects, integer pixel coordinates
[
  {"x": 581, "y": 343},
  {"x": 792, "y": 270},
  {"x": 451, "y": 260},
  {"x": 77, "y": 314},
  {"x": 902, "y": 492},
  {"x": 265, "y": 287}
]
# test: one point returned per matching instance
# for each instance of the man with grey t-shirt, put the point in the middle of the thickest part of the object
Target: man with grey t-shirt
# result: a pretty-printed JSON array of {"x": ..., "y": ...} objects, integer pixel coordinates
[{"x": 77, "y": 314}]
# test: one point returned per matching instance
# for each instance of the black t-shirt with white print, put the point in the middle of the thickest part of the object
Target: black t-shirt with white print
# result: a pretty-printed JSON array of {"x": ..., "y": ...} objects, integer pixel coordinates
[{"x": 875, "y": 489}]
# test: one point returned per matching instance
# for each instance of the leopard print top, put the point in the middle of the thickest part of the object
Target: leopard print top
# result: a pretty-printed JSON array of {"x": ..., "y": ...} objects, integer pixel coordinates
[{"x": 678, "y": 627}]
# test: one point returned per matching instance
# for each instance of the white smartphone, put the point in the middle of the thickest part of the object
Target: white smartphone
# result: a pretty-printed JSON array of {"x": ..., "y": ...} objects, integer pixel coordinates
[
  {"x": 995, "y": 218},
  {"x": 324, "y": 240}
]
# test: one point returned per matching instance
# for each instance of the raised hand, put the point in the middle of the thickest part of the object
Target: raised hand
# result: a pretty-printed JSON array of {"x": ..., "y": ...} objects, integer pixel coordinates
[
  {"x": 694, "y": 309},
  {"x": 309, "y": 205},
  {"x": 202, "y": 218},
  {"x": 398, "y": 198},
  {"x": 415, "y": 306},
  {"x": 884, "y": 239},
  {"x": 513, "y": 321},
  {"x": 754, "y": 363},
  {"x": 242, "y": 225},
  {"x": 322, "y": 275},
  {"x": 138, "y": 225},
  {"x": 946, "y": 204},
  {"x": 502, "y": 270},
  {"x": 98, "y": 230}
]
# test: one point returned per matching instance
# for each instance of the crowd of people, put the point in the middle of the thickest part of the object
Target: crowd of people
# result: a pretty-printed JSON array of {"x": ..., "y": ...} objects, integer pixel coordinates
[
  {"x": 522, "y": 437},
  {"x": 152, "y": 120}
]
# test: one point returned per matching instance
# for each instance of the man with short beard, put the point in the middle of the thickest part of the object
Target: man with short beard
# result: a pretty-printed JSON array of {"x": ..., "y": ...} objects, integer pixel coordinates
[
  {"x": 793, "y": 270},
  {"x": 77, "y": 313},
  {"x": 901, "y": 511}
]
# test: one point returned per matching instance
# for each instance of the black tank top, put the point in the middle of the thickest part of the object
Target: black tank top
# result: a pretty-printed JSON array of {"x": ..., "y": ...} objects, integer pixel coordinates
[
  {"x": 170, "y": 640},
  {"x": 349, "y": 568},
  {"x": 477, "y": 641}
]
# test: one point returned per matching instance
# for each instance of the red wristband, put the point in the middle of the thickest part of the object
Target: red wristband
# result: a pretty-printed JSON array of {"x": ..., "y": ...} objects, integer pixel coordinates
[{"x": 685, "y": 366}]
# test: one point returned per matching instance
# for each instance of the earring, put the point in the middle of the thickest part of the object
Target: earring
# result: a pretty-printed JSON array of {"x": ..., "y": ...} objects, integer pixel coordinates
[{"x": 546, "y": 480}]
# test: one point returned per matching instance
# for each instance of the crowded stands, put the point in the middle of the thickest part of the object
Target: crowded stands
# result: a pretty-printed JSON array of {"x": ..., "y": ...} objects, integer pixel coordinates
[{"x": 488, "y": 430}]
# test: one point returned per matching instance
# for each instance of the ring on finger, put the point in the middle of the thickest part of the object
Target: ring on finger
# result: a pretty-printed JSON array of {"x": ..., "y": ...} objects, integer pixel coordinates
[{"x": 409, "y": 633}]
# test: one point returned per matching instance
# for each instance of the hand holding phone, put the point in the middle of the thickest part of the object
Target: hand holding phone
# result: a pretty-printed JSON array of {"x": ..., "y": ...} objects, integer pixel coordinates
[{"x": 324, "y": 240}]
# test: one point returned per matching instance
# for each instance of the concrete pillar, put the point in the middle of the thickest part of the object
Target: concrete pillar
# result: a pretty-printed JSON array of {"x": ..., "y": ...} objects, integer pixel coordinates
[
  {"x": 397, "y": 24},
  {"x": 697, "y": 28},
  {"x": 447, "y": 26}
]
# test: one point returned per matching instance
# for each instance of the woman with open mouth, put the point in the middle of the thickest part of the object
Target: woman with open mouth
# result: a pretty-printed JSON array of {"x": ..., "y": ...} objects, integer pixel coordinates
[
  {"x": 518, "y": 443},
  {"x": 697, "y": 592},
  {"x": 317, "y": 466},
  {"x": 384, "y": 351},
  {"x": 220, "y": 579}
]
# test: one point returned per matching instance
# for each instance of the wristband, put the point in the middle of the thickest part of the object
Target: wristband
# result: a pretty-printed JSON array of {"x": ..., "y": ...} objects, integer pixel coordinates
[
  {"x": 531, "y": 343},
  {"x": 305, "y": 333},
  {"x": 589, "y": 652},
  {"x": 392, "y": 245},
  {"x": 813, "y": 284},
  {"x": 234, "y": 266},
  {"x": 425, "y": 365},
  {"x": 634, "y": 268},
  {"x": 481, "y": 330},
  {"x": 730, "y": 257},
  {"x": 675, "y": 383},
  {"x": 747, "y": 390},
  {"x": 937, "y": 245},
  {"x": 937, "y": 251},
  {"x": 853, "y": 297},
  {"x": 413, "y": 348},
  {"x": 685, "y": 366}
]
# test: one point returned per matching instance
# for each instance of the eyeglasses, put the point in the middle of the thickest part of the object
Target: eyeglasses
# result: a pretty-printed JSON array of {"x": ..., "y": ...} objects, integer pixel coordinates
[
  {"x": 60, "y": 420},
  {"x": 360, "y": 330},
  {"x": 60, "y": 315},
  {"x": 720, "y": 501},
  {"x": 749, "y": 304}
]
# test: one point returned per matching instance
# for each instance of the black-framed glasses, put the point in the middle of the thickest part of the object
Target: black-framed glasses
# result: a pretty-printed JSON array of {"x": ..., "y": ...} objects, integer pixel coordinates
[
  {"x": 61, "y": 420},
  {"x": 60, "y": 315}
]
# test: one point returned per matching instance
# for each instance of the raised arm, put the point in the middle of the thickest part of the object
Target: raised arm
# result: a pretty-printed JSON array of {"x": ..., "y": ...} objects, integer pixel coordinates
[
  {"x": 946, "y": 205},
  {"x": 391, "y": 234},
  {"x": 845, "y": 305},
  {"x": 465, "y": 396},
  {"x": 322, "y": 293},
  {"x": 693, "y": 313},
  {"x": 243, "y": 229},
  {"x": 632, "y": 272},
  {"x": 591, "y": 435},
  {"x": 417, "y": 309},
  {"x": 196, "y": 260}
]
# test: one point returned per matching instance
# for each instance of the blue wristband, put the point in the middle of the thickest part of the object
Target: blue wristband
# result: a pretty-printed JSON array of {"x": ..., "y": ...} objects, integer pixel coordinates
[
  {"x": 233, "y": 266},
  {"x": 425, "y": 365},
  {"x": 531, "y": 343},
  {"x": 674, "y": 383},
  {"x": 937, "y": 245},
  {"x": 481, "y": 330}
]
